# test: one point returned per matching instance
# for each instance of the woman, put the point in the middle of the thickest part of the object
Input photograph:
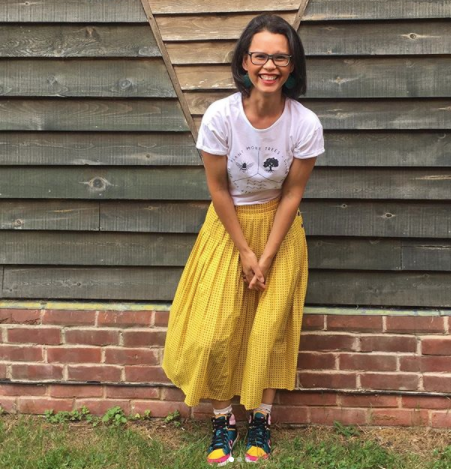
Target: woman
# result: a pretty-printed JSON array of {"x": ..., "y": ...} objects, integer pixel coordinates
[{"x": 235, "y": 323}]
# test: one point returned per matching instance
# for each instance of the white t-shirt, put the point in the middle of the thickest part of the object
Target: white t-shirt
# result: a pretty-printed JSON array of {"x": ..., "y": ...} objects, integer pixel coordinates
[{"x": 258, "y": 160}]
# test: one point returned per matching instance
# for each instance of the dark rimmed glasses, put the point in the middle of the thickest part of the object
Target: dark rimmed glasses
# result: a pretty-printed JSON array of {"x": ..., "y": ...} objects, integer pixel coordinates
[{"x": 260, "y": 58}]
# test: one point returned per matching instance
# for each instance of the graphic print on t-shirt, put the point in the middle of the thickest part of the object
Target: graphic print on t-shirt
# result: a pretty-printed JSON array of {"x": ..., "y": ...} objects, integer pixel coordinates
[{"x": 257, "y": 168}]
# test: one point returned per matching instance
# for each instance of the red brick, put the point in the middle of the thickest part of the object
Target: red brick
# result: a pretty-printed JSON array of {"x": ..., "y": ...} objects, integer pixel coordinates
[
  {"x": 441, "y": 420},
  {"x": 92, "y": 337},
  {"x": 300, "y": 398},
  {"x": 20, "y": 316},
  {"x": 2, "y": 371},
  {"x": 161, "y": 318},
  {"x": 416, "y": 324},
  {"x": 425, "y": 364},
  {"x": 34, "y": 335},
  {"x": 368, "y": 401},
  {"x": 131, "y": 356},
  {"x": 37, "y": 372},
  {"x": 11, "y": 389},
  {"x": 399, "y": 417},
  {"x": 325, "y": 342},
  {"x": 316, "y": 361},
  {"x": 74, "y": 354},
  {"x": 69, "y": 318},
  {"x": 289, "y": 414},
  {"x": 145, "y": 374},
  {"x": 33, "y": 405},
  {"x": 358, "y": 323},
  {"x": 204, "y": 411},
  {"x": 101, "y": 406},
  {"x": 436, "y": 346},
  {"x": 72, "y": 390},
  {"x": 328, "y": 380},
  {"x": 8, "y": 404},
  {"x": 124, "y": 318},
  {"x": 379, "y": 343},
  {"x": 172, "y": 394},
  {"x": 313, "y": 322},
  {"x": 358, "y": 361},
  {"x": 94, "y": 373},
  {"x": 144, "y": 338},
  {"x": 398, "y": 381},
  {"x": 16, "y": 353},
  {"x": 160, "y": 408},
  {"x": 437, "y": 383},
  {"x": 425, "y": 402},
  {"x": 127, "y": 392},
  {"x": 329, "y": 415}
]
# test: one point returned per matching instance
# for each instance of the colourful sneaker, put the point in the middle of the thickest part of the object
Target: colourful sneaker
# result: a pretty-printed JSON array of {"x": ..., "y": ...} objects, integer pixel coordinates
[
  {"x": 224, "y": 438},
  {"x": 258, "y": 445}
]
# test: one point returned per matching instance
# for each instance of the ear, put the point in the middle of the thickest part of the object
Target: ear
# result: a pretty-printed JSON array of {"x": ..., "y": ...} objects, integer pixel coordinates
[
  {"x": 291, "y": 68},
  {"x": 244, "y": 63}
]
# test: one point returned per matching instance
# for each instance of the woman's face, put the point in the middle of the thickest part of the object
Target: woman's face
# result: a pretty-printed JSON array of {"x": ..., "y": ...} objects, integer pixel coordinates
[{"x": 268, "y": 78}]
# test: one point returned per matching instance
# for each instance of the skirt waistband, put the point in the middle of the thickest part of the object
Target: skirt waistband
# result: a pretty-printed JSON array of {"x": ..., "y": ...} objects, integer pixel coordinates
[{"x": 255, "y": 209}]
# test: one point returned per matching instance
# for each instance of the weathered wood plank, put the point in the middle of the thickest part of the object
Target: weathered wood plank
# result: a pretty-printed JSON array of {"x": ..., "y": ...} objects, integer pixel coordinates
[
  {"x": 96, "y": 148},
  {"x": 208, "y": 27},
  {"x": 380, "y": 114},
  {"x": 378, "y": 219},
  {"x": 113, "y": 78},
  {"x": 217, "y": 6},
  {"x": 379, "y": 148},
  {"x": 426, "y": 255},
  {"x": 1, "y": 280},
  {"x": 172, "y": 250},
  {"x": 66, "y": 40},
  {"x": 390, "y": 77},
  {"x": 49, "y": 215},
  {"x": 188, "y": 183},
  {"x": 72, "y": 11},
  {"x": 154, "y": 216},
  {"x": 133, "y": 283},
  {"x": 159, "y": 284},
  {"x": 378, "y": 288},
  {"x": 376, "y": 9},
  {"x": 94, "y": 249},
  {"x": 92, "y": 114},
  {"x": 334, "y": 40},
  {"x": 360, "y": 148}
]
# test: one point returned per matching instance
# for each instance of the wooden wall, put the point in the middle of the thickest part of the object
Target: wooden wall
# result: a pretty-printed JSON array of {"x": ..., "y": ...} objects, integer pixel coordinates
[{"x": 101, "y": 188}]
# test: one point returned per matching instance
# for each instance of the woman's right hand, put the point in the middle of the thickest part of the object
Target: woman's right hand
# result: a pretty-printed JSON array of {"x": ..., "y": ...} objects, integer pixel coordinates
[{"x": 251, "y": 268}]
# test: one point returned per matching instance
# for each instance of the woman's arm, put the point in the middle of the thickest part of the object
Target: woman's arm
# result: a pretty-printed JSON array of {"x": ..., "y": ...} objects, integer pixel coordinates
[
  {"x": 216, "y": 171},
  {"x": 292, "y": 192}
]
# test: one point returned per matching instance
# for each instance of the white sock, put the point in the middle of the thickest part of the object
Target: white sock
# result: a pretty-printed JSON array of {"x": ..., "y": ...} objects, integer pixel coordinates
[
  {"x": 266, "y": 408},
  {"x": 225, "y": 411}
]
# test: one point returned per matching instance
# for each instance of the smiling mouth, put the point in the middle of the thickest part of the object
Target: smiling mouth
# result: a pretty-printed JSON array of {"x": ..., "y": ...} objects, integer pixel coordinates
[{"x": 269, "y": 77}]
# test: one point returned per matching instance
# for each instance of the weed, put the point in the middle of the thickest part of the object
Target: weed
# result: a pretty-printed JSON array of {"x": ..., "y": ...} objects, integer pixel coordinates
[
  {"x": 346, "y": 430},
  {"x": 173, "y": 417}
]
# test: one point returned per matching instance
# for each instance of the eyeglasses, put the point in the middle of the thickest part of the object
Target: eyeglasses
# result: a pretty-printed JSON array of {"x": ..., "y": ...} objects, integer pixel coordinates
[{"x": 260, "y": 58}]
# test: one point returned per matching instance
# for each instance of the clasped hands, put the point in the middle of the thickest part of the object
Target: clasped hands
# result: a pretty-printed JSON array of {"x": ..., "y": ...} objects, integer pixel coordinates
[{"x": 255, "y": 270}]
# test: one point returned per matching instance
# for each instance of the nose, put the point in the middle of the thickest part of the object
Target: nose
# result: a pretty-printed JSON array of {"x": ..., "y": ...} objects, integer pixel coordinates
[{"x": 271, "y": 65}]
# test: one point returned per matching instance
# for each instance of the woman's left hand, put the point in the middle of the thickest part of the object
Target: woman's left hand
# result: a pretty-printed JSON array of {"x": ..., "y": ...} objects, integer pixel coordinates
[{"x": 264, "y": 264}]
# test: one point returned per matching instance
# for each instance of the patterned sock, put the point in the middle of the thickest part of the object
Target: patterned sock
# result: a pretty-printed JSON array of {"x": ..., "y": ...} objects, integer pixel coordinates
[
  {"x": 266, "y": 408},
  {"x": 225, "y": 411}
]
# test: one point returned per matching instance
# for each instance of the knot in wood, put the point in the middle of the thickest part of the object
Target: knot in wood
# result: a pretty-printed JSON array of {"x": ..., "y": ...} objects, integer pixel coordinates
[
  {"x": 124, "y": 84},
  {"x": 412, "y": 36},
  {"x": 18, "y": 223}
]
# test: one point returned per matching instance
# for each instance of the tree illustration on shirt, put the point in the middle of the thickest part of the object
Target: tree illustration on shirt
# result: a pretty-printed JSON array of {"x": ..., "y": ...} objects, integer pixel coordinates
[{"x": 271, "y": 163}]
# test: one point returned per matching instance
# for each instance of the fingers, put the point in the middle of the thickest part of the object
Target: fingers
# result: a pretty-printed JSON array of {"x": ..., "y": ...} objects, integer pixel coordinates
[{"x": 257, "y": 284}]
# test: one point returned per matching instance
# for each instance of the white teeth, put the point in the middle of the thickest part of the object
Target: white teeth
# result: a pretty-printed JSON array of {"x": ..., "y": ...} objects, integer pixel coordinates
[{"x": 268, "y": 77}]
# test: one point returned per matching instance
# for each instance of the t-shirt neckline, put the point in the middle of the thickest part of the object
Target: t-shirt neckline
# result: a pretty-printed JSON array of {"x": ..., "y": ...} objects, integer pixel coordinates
[{"x": 240, "y": 97}]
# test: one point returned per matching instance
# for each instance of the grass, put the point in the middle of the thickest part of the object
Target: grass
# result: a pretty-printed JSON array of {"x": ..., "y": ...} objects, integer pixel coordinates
[{"x": 31, "y": 442}]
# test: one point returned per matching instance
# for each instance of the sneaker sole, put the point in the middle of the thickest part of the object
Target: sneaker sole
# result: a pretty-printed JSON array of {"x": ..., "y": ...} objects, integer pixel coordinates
[{"x": 223, "y": 463}]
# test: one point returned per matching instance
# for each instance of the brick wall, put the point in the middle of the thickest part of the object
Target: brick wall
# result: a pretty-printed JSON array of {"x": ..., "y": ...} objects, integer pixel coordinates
[{"x": 368, "y": 369}]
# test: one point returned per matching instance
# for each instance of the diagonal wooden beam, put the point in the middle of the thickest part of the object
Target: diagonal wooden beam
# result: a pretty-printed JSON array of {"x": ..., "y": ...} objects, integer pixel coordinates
[
  {"x": 170, "y": 68},
  {"x": 300, "y": 14}
]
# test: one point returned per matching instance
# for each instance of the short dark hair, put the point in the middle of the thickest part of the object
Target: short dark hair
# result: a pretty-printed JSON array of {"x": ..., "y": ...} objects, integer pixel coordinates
[{"x": 276, "y": 25}]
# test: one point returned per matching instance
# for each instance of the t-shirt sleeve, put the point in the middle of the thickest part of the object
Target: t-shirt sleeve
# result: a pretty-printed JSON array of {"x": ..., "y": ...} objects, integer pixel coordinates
[
  {"x": 312, "y": 145},
  {"x": 213, "y": 135}
]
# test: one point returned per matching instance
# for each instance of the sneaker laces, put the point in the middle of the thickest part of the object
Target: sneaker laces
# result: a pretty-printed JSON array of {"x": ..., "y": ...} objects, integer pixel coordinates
[
  {"x": 219, "y": 439},
  {"x": 257, "y": 432}
]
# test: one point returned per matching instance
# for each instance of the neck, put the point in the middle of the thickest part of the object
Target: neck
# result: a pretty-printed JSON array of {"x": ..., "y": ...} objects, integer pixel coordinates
[{"x": 265, "y": 105}]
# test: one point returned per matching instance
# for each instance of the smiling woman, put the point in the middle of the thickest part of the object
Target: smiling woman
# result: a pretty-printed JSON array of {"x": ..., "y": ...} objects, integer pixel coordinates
[{"x": 235, "y": 324}]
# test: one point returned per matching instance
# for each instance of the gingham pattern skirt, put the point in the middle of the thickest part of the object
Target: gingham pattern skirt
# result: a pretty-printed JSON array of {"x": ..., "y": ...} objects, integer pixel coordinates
[{"x": 223, "y": 339}]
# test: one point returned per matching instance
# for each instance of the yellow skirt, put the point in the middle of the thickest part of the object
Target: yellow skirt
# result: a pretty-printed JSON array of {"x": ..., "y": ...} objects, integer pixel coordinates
[{"x": 223, "y": 339}]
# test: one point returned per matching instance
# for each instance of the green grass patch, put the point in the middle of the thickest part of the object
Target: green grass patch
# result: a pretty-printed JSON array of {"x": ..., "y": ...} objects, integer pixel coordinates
[{"x": 33, "y": 442}]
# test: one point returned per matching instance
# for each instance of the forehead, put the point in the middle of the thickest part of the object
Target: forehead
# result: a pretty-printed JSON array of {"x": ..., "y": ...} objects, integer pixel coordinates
[{"x": 264, "y": 41}]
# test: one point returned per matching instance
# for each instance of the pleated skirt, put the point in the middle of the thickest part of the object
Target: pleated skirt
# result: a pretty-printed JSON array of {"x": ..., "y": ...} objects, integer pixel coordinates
[{"x": 223, "y": 339}]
